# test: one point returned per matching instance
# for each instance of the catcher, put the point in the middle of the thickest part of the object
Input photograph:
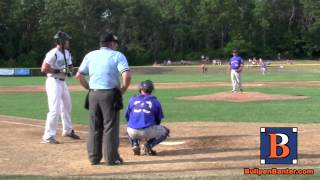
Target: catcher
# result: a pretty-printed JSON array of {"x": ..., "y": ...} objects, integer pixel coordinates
[{"x": 144, "y": 115}]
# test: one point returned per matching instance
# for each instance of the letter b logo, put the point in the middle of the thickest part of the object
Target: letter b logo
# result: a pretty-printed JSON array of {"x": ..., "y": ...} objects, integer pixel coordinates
[
  {"x": 278, "y": 145},
  {"x": 283, "y": 145}
]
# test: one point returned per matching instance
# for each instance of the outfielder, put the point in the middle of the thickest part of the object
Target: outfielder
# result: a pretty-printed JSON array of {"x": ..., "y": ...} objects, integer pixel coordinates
[
  {"x": 263, "y": 66},
  {"x": 235, "y": 67},
  {"x": 144, "y": 115},
  {"x": 58, "y": 65}
]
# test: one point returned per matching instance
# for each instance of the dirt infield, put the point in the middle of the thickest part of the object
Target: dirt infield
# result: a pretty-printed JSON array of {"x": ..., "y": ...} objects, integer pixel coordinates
[
  {"x": 210, "y": 148},
  {"x": 240, "y": 97}
]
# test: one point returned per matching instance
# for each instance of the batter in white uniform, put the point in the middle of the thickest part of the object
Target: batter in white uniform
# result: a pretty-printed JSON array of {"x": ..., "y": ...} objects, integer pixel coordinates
[{"x": 58, "y": 65}]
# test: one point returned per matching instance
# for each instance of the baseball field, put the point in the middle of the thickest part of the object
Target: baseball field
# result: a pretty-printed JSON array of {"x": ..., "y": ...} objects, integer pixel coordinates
[{"x": 214, "y": 133}]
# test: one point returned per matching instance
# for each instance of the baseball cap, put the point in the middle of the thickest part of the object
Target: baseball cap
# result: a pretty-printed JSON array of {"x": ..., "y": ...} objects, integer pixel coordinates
[{"x": 108, "y": 37}]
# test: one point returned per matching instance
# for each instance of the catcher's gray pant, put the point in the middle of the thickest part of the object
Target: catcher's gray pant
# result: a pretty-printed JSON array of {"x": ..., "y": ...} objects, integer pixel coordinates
[
  {"x": 236, "y": 80},
  {"x": 103, "y": 127},
  {"x": 156, "y": 131}
]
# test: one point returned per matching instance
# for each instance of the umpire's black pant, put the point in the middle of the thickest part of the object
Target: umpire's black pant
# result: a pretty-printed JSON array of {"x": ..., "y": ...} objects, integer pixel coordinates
[{"x": 103, "y": 127}]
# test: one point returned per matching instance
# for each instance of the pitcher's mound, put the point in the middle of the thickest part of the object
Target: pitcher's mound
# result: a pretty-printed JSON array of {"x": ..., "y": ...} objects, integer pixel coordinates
[{"x": 241, "y": 97}]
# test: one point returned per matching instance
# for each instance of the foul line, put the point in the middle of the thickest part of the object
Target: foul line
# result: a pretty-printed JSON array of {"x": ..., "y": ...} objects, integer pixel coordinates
[
  {"x": 32, "y": 125},
  {"x": 11, "y": 122}
]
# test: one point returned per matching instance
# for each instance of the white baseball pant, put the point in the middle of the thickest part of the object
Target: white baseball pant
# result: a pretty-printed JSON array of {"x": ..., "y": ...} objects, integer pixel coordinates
[
  {"x": 59, "y": 102},
  {"x": 236, "y": 80}
]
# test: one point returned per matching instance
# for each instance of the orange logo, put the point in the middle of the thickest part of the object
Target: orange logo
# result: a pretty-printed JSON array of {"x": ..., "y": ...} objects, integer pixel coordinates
[{"x": 274, "y": 146}]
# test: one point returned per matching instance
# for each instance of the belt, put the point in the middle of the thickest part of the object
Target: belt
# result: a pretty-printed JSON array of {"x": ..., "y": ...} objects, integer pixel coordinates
[
  {"x": 100, "y": 90},
  {"x": 61, "y": 79}
]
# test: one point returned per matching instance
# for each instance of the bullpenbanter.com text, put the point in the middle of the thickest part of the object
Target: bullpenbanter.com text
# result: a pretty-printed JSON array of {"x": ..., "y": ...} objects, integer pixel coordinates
[{"x": 276, "y": 171}]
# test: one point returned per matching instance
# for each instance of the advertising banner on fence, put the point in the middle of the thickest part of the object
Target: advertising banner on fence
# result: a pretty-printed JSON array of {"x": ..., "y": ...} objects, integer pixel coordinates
[
  {"x": 6, "y": 72},
  {"x": 21, "y": 72}
]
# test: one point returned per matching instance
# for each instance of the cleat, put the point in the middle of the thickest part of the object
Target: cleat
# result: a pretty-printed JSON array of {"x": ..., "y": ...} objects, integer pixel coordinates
[
  {"x": 50, "y": 140},
  {"x": 72, "y": 135},
  {"x": 116, "y": 162},
  {"x": 136, "y": 150},
  {"x": 95, "y": 163}
]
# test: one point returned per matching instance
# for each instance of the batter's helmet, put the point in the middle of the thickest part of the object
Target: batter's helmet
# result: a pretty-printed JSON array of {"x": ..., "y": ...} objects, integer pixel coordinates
[
  {"x": 61, "y": 37},
  {"x": 146, "y": 86}
]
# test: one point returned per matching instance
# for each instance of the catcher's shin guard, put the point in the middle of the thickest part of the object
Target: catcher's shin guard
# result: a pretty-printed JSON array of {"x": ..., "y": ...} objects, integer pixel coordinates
[
  {"x": 133, "y": 141},
  {"x": 154, "y": 141},
  {"x": 148, "y": 150},
  {"x": 135, "y": 146}
]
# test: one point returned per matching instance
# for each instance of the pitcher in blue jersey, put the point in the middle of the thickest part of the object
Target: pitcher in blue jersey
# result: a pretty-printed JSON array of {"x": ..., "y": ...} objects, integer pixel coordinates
[
  {"x": 235, "y": 67},
  {"x": 144, "y": 115}
]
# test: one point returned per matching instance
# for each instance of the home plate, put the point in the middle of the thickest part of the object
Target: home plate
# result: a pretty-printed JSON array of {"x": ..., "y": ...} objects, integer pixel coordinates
[{"x": 172, "y": 143}]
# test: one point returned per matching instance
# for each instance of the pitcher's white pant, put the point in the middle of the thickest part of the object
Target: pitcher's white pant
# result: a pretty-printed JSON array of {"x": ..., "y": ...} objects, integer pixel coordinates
[
  {"x": 59, "y": 102},
  {"x": 236, "y": 80}
]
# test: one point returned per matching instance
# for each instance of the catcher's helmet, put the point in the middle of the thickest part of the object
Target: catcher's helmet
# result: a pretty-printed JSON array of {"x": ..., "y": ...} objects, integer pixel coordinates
[
  {"x": 61, "y": 37},
  {"x": 146, "y": 86}
]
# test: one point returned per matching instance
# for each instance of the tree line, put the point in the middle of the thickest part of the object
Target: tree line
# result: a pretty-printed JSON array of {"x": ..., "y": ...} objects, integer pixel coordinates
[{"x": 153, "y": 30}]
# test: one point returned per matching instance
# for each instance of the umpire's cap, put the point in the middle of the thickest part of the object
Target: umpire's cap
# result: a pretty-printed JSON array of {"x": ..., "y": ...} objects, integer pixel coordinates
[
  {"x": 61, "y": 36},
  {"x": 108, "y": 37},
  {"x": 146, "y": 86}
]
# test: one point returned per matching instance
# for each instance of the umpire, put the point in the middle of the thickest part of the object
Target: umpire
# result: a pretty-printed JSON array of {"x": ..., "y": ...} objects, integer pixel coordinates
[{"x": 105, "y": 98}]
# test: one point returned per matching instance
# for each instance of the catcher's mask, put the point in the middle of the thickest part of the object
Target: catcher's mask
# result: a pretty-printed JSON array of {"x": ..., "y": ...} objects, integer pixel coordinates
[
  {"x": 61, "y": 37},
  {"x": 146, "y": 86}
]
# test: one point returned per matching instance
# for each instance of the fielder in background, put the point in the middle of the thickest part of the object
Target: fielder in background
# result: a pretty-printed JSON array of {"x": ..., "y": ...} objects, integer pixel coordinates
[
  {"x": 235, "y": 67},
  {"x": 58, "y": 65},
  {"x": 263, "y": 66},
  {"x": 105, "y": 98},
  {"x": 144, "y": 115}
]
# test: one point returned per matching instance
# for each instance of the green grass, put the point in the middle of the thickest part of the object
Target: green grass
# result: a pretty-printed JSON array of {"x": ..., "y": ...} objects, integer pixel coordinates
[
  {"x": 215, "y": 74},
  {"x": 182, "y": 110},
  {"x": 263, "y": 111},
  {"x": 288, "y": 111}
]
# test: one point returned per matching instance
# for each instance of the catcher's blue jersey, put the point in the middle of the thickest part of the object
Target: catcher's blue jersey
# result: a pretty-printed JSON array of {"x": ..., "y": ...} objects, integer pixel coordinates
[{"x": 143, "y": 111}]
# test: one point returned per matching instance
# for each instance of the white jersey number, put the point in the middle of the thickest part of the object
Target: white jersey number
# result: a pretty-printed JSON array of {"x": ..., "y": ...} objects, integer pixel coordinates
[{"x": 144, "y": 107}]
